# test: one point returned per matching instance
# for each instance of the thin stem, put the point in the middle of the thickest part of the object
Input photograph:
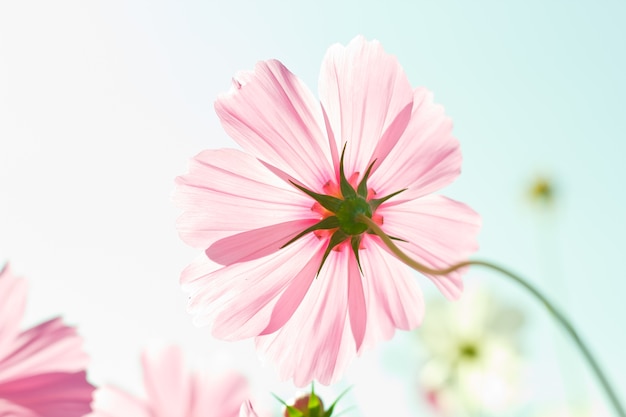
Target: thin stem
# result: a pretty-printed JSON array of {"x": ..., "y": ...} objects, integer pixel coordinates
[{"x": 564, "y": 322}]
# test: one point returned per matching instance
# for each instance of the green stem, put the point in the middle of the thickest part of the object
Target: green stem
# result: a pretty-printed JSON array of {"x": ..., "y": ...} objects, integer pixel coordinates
[{"x": 564, "y": 322}]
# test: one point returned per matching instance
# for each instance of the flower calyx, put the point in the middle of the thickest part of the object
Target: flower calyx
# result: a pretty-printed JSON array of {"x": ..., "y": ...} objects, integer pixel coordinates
[
  {"x": 343, "y": 213},
  {"x": 309, "y": 405}
]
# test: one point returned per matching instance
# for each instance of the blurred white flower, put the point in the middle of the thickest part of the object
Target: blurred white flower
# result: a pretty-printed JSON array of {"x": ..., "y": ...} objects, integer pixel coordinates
[{"x": 473, "y": 356}]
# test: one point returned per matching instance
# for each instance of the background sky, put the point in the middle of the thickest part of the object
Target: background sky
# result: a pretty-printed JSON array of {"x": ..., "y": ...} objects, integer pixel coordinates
[{"x": 102, "y": 104}]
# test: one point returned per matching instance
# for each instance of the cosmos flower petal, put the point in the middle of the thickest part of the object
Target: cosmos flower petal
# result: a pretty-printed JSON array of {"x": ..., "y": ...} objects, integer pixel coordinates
[
  {"x": 13, "y": 301},
  {"x": 273, "y": 115},
  {"x": 41, "y": 369},
  {"x": 257, "y": 243},
  {"x": 49, "y": 347},
  {"x": 220, "y": 191},
  {"x": 166, "y": 381},
  {"x": 221, "y": 399},
  {"x": 55, "y": 394},
  {"x": 426, "y": 158},
  {"x": 316, "y": 343},
  {"x": 367, "y": 99},
  {"x": 172, "y": 390},
  {"x": 357, "y": 308},
  {"x": 394, "y": 299},
  {"x": 247, "y": 410},
  {"x": 113, "y": 402},
  {"x": 239, "y": 299},
  {"x": 438, "y": 232}
]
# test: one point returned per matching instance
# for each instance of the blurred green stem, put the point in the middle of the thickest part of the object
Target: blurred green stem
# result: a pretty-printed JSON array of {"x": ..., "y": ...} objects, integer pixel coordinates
[{"x": 564, "y": 322}]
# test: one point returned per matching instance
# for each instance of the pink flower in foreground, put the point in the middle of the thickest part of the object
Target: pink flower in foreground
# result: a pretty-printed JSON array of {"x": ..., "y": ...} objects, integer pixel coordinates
[
  {"x": 285, "y": 211},
  {"x": 42, "y": 369},
  {"x": 172, "y": 391}
]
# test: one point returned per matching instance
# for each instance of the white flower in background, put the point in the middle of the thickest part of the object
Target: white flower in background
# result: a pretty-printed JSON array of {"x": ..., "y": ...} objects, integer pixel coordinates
[{"x": 473, "y": 356}]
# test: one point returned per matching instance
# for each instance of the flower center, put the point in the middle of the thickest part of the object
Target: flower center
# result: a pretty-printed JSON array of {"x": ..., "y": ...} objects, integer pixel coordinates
[
  {"x": 344, "y": 212},
  {"x": 347, "y": 213}
]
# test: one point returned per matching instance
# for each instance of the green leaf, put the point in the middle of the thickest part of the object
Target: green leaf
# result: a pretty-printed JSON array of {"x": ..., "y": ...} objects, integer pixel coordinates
[
  {"x": 328, "y": 202},
  {"x": 335, "y": 239},
  {"x": 362, "y": 188},
  {"x": 328, "y": 223},
  {"x": 346, "y": 189}
]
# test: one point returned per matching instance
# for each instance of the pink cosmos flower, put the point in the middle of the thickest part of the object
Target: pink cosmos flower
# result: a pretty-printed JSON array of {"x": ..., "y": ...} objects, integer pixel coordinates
[
  {"x": 42, "y": 369},
  {"x": 287, "y": 259},
  {"x": 172, "y": 391}
]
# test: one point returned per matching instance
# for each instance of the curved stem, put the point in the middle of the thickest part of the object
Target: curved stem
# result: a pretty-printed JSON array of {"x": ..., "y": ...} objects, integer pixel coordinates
[{"x": 560, "y": 318}]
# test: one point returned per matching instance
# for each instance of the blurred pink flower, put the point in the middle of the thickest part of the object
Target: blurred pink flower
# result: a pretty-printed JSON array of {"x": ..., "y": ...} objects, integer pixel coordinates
[
  {"x": 274, "y": 217},
  {"x": 247, "y": 410},
  {"x": 42, "y": 369},
  {"x": 172, "y": 391}
]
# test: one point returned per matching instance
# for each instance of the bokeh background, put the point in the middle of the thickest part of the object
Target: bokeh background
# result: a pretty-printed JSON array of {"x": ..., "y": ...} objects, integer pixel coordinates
[{"x": 103, "y": 103}]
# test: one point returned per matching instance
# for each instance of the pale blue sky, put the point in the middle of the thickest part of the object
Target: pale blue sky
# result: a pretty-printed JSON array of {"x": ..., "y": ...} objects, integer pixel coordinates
[{"x": 103, "y": 103}]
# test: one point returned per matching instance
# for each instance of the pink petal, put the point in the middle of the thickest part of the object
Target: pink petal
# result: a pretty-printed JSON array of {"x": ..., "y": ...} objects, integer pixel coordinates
[
  {"x": 56, "y": 394},
  {"x": 367, "y": 99},
  {"x": 254, "y": 244},
  {"x": 48, "y": 347},
  {"x": 357, "y": 308},
  {"x": 227, "y": 191},
  {"x": 247, "y": 410},
  {"x": 439, "y": 231},
  {"x": 113, "y": 402},
  {"x": 239, "y": 299},
  {"x": 316, "y": 343},
  {"x": 218, "y": 397},
  {"x": 426, "y": 158},
  {"x": 13, "y": 301},
  {"x": 394, "y": 299},
  {"x": 166, "y": 381},
  {"x": 273, "y": 115}
]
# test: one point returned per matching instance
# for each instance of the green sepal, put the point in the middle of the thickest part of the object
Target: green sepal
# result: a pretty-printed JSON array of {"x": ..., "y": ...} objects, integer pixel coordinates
[
  {"x": 291, "y": 410},
  {"x": 355, "y": 242},
  {"x": 362, "y": 188},
  {"x": 314, "y": 406},
  {"x": 328, "y": 202},
  {"x": 375, "y": 202},
  {"x": 389, "y": 236},
  {"x": 346, "y": 189},
  {"x": 328, "y": 223},
  {"x": 335, "y": 239},
  {"x": 329, "y": 412}
]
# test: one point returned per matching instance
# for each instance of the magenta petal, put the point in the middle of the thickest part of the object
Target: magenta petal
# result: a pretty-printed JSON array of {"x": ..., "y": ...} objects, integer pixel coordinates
[
  {"x": 426, "y": 157},
  {"x": 57, "y": 394},
  {"x": 272, "y": 114},
  {"x": 166, "y": 381},
  {"x": 227, "y": 191},
  {"x": 439, "y": 232},
  {"x": 316, "y": 343},
  {"x": 254, "y": 244},
  {"x": 367, "y": 99}
]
